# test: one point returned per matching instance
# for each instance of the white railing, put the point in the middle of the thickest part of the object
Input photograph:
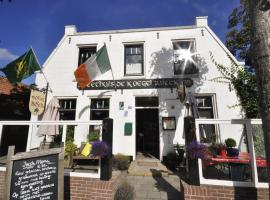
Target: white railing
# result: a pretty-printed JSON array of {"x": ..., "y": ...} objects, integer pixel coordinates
[
  {"x": 254, "y": 182},
  {"x": 33, "y": 126}
]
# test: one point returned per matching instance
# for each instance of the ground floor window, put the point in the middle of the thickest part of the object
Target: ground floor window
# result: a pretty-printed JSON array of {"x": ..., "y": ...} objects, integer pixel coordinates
[
  {"x": 99, "y": 108},
  {"x": 206, "y": 109}
]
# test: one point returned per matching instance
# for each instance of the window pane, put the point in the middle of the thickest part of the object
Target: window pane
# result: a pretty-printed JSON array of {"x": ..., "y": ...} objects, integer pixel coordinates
[
  {"x": 134, "y": 59},
  {"x": 67, "y": 109},
  {"x": 135, "y": 68},
  {"x": 86, "y": 53},
  {"x": 146, "y": 102},
  {"x": 99, "y": 103},
  {"x": 99, "y": 114}
]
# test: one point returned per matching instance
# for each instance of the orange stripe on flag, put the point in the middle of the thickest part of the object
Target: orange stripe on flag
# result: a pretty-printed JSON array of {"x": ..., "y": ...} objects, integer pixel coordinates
[{"x": 82, "y": 77}]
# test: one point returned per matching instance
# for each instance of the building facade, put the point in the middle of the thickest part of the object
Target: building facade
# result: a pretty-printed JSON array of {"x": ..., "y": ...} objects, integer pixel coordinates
[{"x": 139, "y": 92}]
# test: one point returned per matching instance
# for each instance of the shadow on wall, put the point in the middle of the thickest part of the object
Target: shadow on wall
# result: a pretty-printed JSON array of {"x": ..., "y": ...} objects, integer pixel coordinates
[{"x": 162, "y": 66}]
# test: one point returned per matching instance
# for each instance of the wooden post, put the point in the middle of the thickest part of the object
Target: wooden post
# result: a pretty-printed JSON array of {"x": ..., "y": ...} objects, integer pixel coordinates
[{"x": 11, "y": 150}]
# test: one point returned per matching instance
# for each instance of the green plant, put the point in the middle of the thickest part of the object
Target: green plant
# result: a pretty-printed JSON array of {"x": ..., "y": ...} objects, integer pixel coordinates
[
  {"x": 121, "y": 161},
  {"x": 124, "y": 192},
  {"x": 230, "y": 143},
  {"x": 69, "y": 147},
  {"x": 215, "y": 148},
  {"x": 93, "y": 136}
]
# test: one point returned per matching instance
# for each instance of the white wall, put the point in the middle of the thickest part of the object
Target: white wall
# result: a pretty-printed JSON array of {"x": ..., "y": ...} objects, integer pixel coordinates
[{"x": 63, "y": 61}]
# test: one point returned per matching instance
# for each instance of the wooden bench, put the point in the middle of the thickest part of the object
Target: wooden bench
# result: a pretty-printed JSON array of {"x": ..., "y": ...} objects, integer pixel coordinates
[{"x": 75, "y": 157}]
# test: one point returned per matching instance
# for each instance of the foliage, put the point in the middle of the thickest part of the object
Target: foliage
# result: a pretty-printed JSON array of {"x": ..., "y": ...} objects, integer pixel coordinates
[
  {"x": 70, "y": 133},
  {"x": 121, "y": 161},
  {"x": 244, "y": 82},
  {"x": 69, "y": 147},
  {"x": 258, "y": 140},
  {"x": 94, "y": 136},
  {"x": 100, "y": 148},
  {"x": 238, "y": 37},
  {"x": 230, "y": 142},
  {"x": 197, "y": 150},
  {"x": 124, "y": 192},
  {"x": 215, "y": 148}
]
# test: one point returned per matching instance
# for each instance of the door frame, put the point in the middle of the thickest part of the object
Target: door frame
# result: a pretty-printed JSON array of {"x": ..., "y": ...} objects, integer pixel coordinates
[{"x": 147, "y": 107}]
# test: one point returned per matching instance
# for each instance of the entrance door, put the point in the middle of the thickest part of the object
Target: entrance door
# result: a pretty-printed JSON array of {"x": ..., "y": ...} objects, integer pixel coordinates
[{"x": 147, "y": 127}]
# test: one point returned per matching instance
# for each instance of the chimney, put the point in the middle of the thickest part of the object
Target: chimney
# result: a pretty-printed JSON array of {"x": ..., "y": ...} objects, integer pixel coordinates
[
  {"x": 70, "y": 30},
  {"x": 201, "y": 21}
]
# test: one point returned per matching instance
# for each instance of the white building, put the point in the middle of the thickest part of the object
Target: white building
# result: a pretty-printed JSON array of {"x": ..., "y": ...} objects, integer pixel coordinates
[{"x": 137, "y": 57}]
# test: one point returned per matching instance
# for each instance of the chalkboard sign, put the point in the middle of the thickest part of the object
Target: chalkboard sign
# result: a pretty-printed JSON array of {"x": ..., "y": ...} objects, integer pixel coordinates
[{"x": 34, "y": 176}]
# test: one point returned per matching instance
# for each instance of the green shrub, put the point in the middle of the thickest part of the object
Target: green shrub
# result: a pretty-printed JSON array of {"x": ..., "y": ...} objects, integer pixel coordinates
[
  {"x": 230, "y": 142},
  {"x": 124, "y": 192},
  {"x": 121, "y": 161},
  {"x": 70, "y": 146},
  {"x": 94, "y": 136}
]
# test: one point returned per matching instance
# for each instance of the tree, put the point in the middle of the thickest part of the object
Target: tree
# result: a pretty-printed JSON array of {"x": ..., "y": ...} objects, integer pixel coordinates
[
  {"x": 238, "y": 36},
  {"x": 259, "y": 11},
  {"x": 241, "y": 79}
]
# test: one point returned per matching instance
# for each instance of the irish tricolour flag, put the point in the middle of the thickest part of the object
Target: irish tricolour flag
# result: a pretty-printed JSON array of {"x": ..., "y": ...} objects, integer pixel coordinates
[{"x": 94, "y": 66}]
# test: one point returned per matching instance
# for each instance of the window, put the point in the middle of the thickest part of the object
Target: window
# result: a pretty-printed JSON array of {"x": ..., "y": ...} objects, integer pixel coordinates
[
  {"x": 206, "y": 110},
  {"x": 133, "y": 60},
  {"x": 67, "y": 109},
  {"x": 184, "y": 58},
  {"x": 85, "y": 53},
  {"x": 99, "y": 109}
]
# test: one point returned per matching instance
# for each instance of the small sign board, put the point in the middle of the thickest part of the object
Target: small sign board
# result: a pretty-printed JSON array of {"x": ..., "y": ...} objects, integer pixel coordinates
[
  {"x": 37, "y": 102},
  {"x": 35, "y": 175}
]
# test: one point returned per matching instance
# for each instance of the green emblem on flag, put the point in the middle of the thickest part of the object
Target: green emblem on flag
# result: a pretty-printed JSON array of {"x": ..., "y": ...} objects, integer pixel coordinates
[{"x": 22, "y": 67}]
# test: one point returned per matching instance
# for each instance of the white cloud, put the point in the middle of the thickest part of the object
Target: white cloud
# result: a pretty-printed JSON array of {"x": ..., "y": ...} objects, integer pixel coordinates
[{"x": 5, "y": 54}]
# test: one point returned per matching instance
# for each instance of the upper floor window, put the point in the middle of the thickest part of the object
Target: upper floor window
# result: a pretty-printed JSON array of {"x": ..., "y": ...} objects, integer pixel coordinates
[
  {"x": 99, "y": 109},
  {"x": 85, "y": 53},
  {"x": 133, "y": 60},
  {"x": 184, "y": 58},
  {"x": 67, "y": 109}
]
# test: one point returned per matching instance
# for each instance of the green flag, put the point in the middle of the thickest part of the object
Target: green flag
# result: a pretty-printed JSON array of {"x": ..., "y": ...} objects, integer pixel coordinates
[{"x": 22, "y": 67}]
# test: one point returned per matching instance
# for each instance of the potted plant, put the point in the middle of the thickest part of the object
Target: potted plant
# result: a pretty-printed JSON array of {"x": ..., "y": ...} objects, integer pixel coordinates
[
  {"x": 218, "y": 149},
  {"x": 231, "y": 150}
]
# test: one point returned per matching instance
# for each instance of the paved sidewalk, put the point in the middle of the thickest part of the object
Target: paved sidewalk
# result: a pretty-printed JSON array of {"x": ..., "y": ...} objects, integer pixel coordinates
[{"x": 155, "y": 188}]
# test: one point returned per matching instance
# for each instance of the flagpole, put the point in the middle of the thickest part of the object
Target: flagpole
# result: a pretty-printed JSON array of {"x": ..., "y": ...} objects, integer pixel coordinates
[
  {"x": 47, "y": 86},
  {"x": 111, "y": 71}
]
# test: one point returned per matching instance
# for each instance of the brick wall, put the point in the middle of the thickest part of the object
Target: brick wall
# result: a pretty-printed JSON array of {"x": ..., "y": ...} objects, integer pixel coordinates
[
  {"x": 210, "y": 192},
  {"x": 2, "y": 184},
  {"x": 79, "y": 188}
]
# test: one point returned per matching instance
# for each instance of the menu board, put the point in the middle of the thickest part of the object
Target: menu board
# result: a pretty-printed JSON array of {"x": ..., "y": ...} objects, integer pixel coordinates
[{"x": 35, "y": 178}]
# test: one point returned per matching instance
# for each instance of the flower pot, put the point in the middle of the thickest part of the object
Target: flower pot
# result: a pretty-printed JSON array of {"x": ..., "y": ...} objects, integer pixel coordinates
[
  {"x": 232, "y": 152},
  {"x": 222, "y": 153}
]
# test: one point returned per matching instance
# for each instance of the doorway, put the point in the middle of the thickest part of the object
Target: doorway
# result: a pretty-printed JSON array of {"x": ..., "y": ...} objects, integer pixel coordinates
[{"x": 147, "y": 126}]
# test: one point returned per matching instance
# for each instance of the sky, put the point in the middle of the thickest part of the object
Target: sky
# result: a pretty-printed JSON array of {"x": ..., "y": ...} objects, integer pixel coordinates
[{"x": 40, "y": 23}]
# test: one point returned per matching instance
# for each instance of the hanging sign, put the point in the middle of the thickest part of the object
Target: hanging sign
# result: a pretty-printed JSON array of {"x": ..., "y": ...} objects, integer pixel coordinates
[
  {"x": 181, "y": 92},
  {"x": 37, "y": 102}
]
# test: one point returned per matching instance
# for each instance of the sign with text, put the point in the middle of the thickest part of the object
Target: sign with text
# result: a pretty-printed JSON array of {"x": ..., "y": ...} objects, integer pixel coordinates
[
  {"x": 35, "y": 177},
  {"x": 37, "y": 102},
  {"x": 138, "y": 84}
]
